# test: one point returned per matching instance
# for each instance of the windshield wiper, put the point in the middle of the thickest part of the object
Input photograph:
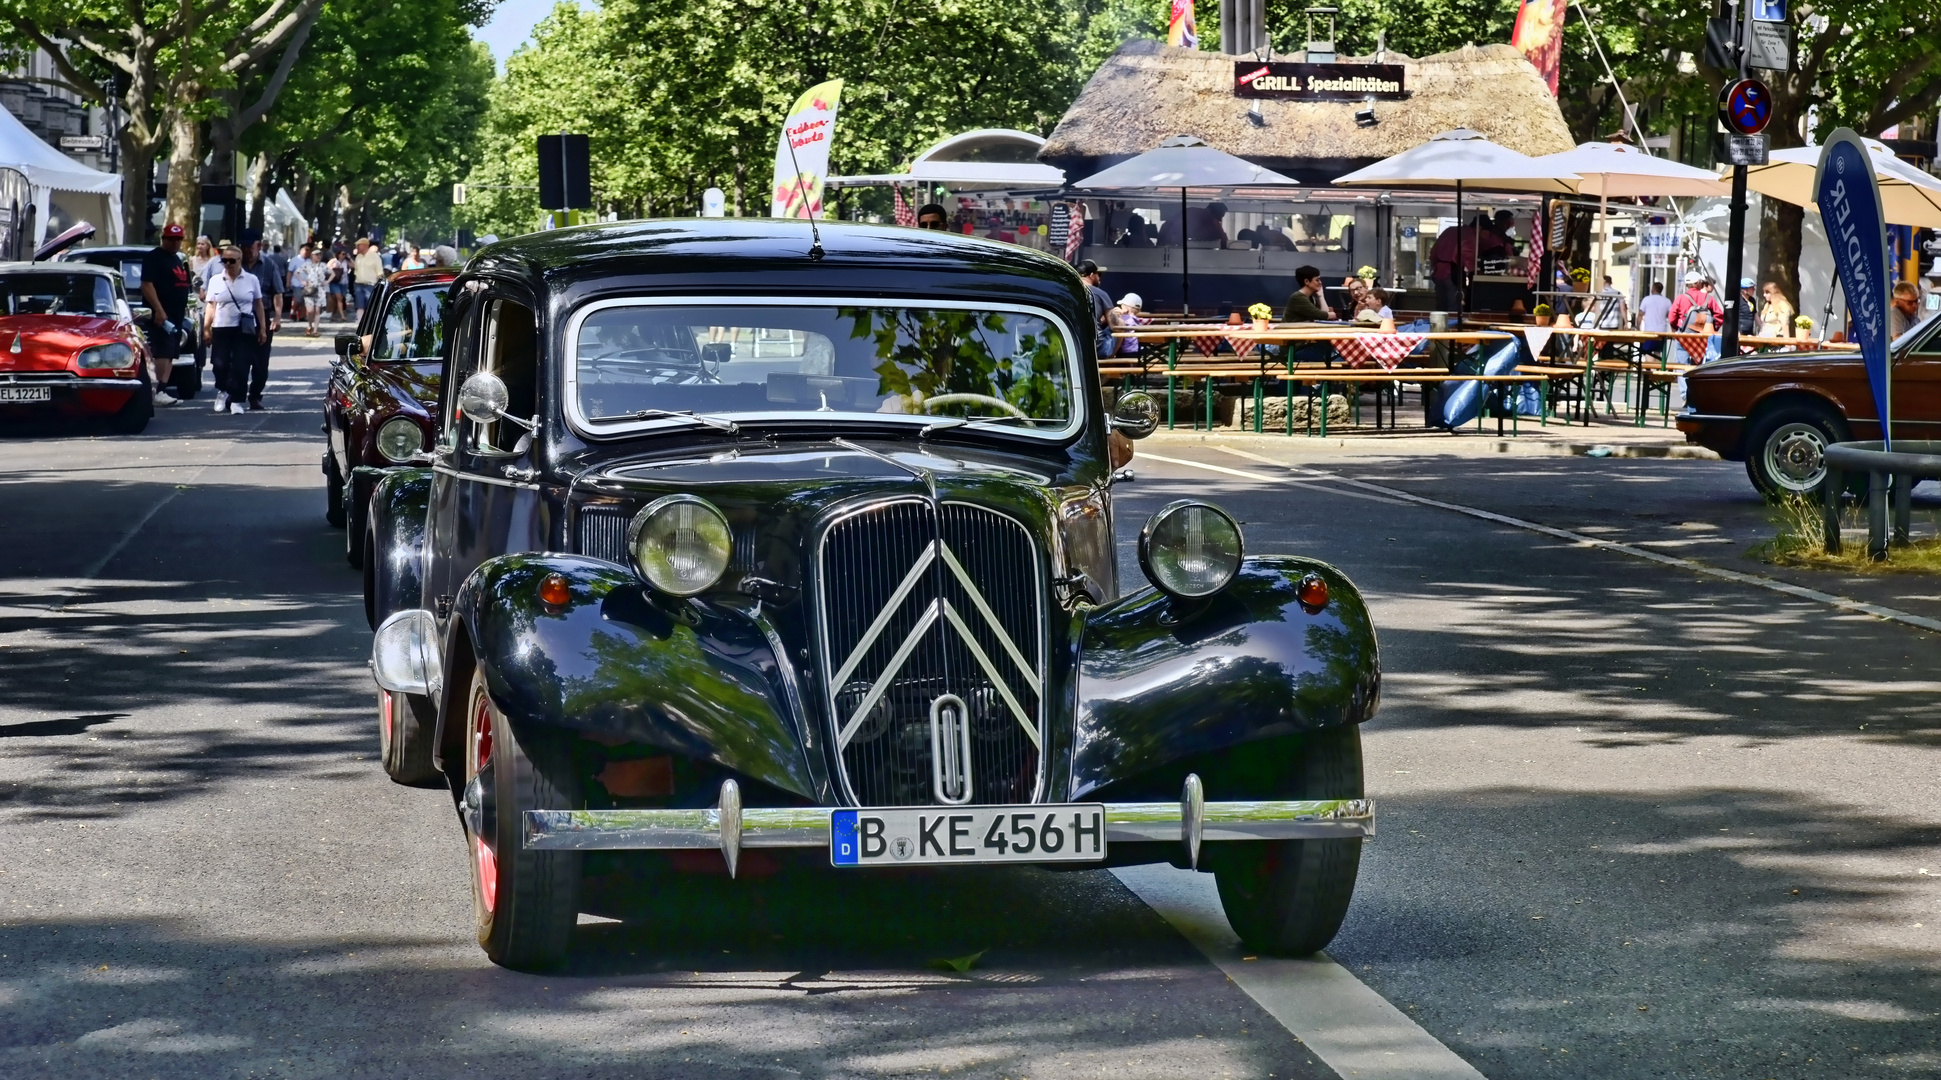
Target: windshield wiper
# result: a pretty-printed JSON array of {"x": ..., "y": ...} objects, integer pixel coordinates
[
  {"x": 951, "y": 422},
  {"x": 704, "y": 419}
]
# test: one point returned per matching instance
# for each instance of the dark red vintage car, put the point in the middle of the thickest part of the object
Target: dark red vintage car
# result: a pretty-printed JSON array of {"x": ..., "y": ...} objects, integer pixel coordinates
[
  {"x": 382, "y": 404},
  {"x": 1777, "y": 411},
  {"x": 69, "y": 347}
]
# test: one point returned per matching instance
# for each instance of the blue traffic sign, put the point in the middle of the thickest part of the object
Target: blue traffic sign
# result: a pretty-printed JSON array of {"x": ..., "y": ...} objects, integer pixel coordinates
[{"x": 1746, "y": 106}]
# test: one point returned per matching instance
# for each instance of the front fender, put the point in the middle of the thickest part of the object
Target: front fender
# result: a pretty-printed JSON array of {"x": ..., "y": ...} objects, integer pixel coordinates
[
  {"x": 697, "y": 679},
  {"x": 1163, "y": 681},
  {"x": 395, "y": 563}
]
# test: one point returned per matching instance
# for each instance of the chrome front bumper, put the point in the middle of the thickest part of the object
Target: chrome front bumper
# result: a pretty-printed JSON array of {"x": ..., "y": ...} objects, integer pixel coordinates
[{"x": 730, "y": 827}]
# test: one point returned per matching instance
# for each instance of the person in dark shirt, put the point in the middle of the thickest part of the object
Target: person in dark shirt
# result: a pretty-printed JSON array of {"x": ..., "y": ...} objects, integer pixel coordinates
[
  {"x": 1088, "y": 272},
  {"x": 1208, "y": 223},
  {"x": 1307, "y": 304},
  {"x": 271, "y": 276},
  {"x": 165, "y": 286}
]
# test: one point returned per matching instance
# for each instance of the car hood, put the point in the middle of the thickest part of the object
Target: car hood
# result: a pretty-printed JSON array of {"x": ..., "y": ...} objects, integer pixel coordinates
[
  {"x": 49, "y": 342},
  {"x": 1775, "y": 365},
  {"x": 411, "y": 382}
]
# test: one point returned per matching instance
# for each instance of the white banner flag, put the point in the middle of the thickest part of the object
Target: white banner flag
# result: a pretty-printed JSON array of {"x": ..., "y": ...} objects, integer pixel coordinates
[{"x": 802, "y": 153}]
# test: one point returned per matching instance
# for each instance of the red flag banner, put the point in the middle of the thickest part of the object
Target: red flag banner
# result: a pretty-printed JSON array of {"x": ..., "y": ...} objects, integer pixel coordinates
[
  {"x": 905, "y": 216},
  {"x": 1534, "y": 254},
  {"x": 1539, "y": 36}
]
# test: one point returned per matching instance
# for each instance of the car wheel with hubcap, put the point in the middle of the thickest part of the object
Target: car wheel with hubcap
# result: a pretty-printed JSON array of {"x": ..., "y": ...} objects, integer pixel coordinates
[
  {"x": 405, "y": 726},
  {"x": 1786, "y": 455},
  {"x": 526, "y": 902},
  {"x": 333, "y": 491},
  {"x": 1288, "y": 897}
]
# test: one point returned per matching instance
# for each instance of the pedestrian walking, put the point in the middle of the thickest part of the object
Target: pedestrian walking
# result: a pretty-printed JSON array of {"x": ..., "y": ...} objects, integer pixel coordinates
[
  {"x": 270, "y": 275},
  {"x": 367, "y": 269},
  {"x": 338, "y": 285},
  {"x": 1654, "y": 317},
  {"x": 1776, "y": 316},
  {"x": 205, "y": 253},
  {"x": 234, "y": 321},
  {"x": 1088, "y": 272},
  {"x": 311, "y": 285},
  {"x": 412, "y": 258},
  {"x": 165, "y": 286},
  {"x": 1697, "y": 296}
]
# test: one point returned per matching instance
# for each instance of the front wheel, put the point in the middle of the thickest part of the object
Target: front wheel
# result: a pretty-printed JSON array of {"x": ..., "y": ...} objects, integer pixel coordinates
[
  {"x": 525, "y": 902},
  {"x": 1786, "y": 453},
  {"x": 1288, "y": 897},
  {"x": 405, "y": 726},
  {"x": 132, "y": 418}
]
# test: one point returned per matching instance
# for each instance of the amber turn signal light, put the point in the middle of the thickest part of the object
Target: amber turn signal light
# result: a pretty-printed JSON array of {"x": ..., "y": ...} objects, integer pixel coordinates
[
  {"x": 1312, "y": 592},
  {"x": 554, "y": 593}
]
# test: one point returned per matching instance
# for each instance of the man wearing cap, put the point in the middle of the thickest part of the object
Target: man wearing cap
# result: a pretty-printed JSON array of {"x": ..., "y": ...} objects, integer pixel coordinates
[
  {"x": 1088, "y": 272},
  {"x": 165, "y": 287},
  {"x": 269, "y": 275},
  {"x": 1697, "y": 294}
]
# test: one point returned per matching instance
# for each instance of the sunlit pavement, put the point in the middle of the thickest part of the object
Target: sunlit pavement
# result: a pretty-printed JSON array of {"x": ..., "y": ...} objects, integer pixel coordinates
[{"x": 1634, "y": 821}]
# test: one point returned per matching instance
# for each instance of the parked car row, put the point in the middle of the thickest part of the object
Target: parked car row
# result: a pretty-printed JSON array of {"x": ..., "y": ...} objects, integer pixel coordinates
[
  {"x": 798, "y": 546},
  {"x": 69, "y": 345}
]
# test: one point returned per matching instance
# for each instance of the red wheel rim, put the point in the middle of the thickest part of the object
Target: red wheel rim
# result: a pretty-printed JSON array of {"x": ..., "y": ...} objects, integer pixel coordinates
[{"x": 483, "y": 857}]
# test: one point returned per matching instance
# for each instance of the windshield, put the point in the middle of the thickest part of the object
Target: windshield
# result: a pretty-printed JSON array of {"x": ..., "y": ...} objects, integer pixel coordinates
[
  {"x": 413, "y": 327},
  {"x": 56, "y": 294},
  {"x": 633, "y": 360}
]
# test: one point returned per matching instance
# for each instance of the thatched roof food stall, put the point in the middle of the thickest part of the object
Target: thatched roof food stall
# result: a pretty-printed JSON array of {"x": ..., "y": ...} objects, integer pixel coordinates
[{"x": 1313, "y": 122}]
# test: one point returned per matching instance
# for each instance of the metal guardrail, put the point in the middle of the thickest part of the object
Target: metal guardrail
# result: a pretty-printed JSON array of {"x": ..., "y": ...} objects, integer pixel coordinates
[{"x": 1890, "y": 473}]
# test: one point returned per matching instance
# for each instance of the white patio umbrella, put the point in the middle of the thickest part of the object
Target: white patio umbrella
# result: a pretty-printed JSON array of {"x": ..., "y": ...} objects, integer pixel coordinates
[
  {"x": 1183, "y": 161},
  {"x": 1465, "y": 159},
  {"x": 1908, "y": 196},
  {"x": 1618, "y": 170}
]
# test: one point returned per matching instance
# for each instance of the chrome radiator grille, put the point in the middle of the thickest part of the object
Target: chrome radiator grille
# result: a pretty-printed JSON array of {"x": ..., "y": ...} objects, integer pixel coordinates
[
  {"x": 602, "y": 532},
  {"x": 933, "y": 610}
]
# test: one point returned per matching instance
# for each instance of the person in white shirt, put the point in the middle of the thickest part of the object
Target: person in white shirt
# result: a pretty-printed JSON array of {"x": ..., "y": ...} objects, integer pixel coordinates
[
  {"x": 232, "y": 318},
  {"x": 1615, "y": 315},
  {"x": 1654, "y": 316}
]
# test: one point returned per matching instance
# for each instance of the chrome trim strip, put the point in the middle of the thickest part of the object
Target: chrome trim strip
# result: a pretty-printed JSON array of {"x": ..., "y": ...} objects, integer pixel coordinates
[
  {"x": 883, "y": 617},
  {"x": 882, "y": 684},
  {"x": 476, "y": 479},
  {"x": 808, "y": 827},
  {"x": 570, "y": 350},
  {"x": 990, "y": 669},
  {"x": 1706, "y": 416},
  {"x": 990, "y": 617}
]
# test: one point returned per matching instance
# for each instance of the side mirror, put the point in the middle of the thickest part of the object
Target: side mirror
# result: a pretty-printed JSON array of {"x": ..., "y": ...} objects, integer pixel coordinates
[
  {"x": 1136, "y": 415},
  {"x": 349, "y": 345},
  {"x": 484, "y": 400}
]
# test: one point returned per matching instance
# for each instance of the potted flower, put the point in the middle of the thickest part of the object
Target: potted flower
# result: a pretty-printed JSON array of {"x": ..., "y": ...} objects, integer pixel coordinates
[
  {"x": 1367, "y": 273},
  {"x": 1540, "y": 314},
  {"x": 1803, "y": 327},
  {"x": 1262, "y": 315},
  {"x": 1580, "y": 278}
]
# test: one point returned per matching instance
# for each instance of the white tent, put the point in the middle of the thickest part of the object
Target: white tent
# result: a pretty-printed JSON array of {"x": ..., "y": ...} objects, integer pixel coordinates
[{"x": 52, "y": 174}]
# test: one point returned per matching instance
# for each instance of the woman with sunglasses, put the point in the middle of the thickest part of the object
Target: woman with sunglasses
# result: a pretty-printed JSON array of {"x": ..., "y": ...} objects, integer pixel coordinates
[{"x": 232, "y": 315}]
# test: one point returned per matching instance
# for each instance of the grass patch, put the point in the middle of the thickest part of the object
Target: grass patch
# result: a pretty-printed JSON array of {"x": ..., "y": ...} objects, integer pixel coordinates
[{"x": 1801, "y": 541}]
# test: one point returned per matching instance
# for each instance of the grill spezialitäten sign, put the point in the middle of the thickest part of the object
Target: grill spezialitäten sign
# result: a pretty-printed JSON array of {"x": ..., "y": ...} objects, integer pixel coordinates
[{"x": 1318, "y": 82}]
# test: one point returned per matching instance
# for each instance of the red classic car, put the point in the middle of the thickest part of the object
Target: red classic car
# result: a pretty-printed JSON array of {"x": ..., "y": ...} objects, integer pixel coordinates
[
  {"x": 69, "y": 347},
  {"x": 382, "y": 403},
  {"x": 1777, "y": 411}
]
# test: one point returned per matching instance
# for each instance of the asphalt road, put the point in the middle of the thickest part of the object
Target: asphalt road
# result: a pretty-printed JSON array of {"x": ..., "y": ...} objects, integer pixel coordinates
[{"x": 1635, "y": 821}]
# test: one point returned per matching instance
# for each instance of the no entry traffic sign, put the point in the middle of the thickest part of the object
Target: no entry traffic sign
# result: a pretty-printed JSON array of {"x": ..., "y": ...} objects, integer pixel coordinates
[{"x": 1746, "y": 106}]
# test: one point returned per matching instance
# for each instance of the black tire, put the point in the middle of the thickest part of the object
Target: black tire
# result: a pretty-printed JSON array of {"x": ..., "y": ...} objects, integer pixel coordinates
[
  {"x": 1786, "y": 450},
  {"x": 1288, "y": 897},
  {"x": 525, "y": 902},
  {"x": 406, "y": 725},
  {"x": 333, "y": 491},
  {"x": 133, "y": 417},
  {"x": 356, "y": 519},
  {"x": 370, "y": 575}
]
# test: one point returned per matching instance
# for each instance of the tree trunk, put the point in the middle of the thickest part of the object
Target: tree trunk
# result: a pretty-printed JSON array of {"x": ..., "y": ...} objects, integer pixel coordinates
[
  {"x": 137, "y": 180},
  {"x": 259, "y": 185},
  {"x": 184, "y": 204},
  {"x": 1780, "y": 228}
]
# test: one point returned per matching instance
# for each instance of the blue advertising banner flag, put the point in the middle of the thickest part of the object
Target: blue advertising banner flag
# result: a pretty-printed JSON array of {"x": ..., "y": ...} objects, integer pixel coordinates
[{"x": 1848, "y": 196}]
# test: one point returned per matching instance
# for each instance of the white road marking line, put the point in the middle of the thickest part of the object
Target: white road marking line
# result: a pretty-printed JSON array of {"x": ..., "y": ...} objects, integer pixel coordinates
[
  {"x": 1352, "y": 1029},
  {"x": 1845, "y": 603}
]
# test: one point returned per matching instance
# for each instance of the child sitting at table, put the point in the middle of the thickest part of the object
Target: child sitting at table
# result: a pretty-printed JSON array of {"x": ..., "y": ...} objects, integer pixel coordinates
[{"x": 1126, "y": 314}]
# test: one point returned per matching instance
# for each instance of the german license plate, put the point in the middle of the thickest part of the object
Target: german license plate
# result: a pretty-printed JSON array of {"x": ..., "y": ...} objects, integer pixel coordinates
[
  {"x": 939, "y": 835},
  {"x": 12, "y": 394}
]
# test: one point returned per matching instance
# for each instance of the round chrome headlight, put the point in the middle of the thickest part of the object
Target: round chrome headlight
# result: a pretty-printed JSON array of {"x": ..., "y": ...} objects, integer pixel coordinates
[
  {"x": 399, "y": 438},
  {"x": 116, "y": 355},
  {"x": 1190, "y": 549},
  {"x": 680, "y": 544}
]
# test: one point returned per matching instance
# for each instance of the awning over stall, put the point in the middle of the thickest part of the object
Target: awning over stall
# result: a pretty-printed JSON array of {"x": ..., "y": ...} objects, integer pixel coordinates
[
  {"x": 49, "y": 171},
  {"x": 1147, "y": 91},
  {"x": 985, "y": 158}
]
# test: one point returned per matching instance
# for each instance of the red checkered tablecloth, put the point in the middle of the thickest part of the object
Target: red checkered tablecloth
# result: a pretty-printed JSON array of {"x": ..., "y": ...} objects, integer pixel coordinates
[
  {"x": 1210, "y": 344},
  {"x": 1387, "y": 350},
  {"x": 1694, "y": 345}
]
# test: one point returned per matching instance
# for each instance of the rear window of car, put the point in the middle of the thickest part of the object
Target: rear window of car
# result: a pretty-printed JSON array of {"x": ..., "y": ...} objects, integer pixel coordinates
[
  {"x": 45, "y": 293},
  {"x": 1012, "y": 367}
]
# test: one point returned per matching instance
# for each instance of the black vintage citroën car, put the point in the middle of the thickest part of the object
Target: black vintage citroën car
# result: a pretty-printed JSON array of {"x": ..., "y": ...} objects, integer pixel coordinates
[{"x": 738, "y": 535}]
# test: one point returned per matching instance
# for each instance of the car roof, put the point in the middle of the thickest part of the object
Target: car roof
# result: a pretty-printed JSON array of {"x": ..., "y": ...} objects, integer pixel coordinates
[
  {"x": 750, "y": 252},
  {"x": 59, "y": 266}
]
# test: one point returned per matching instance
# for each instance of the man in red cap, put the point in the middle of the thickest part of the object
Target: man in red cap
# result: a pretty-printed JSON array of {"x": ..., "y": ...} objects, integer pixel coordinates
[{"x": 165, "y": 285}]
